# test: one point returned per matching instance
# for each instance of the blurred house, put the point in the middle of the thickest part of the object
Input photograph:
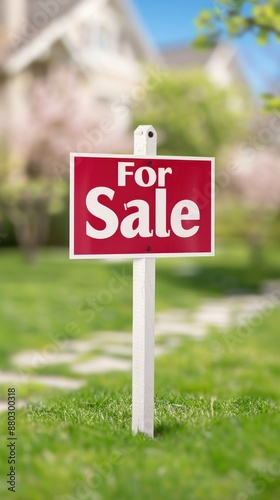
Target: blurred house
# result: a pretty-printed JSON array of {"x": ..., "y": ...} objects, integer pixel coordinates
[
  {"x": 221, "y": 63},
  {"x": 101, "y": 39}
]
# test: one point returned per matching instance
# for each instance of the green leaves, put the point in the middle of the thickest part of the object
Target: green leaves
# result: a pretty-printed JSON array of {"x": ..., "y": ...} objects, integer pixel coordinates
[
  {"x": 262, "y": 36},
  {"x": 236, "y": 25},
  {"x": 205, "y": 16},
  {"x": 205, "y": 41},
  {"x": 271, "y": 102},
  {"x": 183, "y": 108},
  {"x": 266, "y": 18},
  {"x": 234, "y": 17}
]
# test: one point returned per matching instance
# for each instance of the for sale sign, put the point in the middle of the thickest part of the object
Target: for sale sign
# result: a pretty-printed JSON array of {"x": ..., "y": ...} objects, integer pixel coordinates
[{"x": 133, "y": 206}]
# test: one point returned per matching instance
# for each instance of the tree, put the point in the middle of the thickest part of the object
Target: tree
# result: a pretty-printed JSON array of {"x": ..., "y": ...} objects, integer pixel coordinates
[
  {"x": 35, "y": 154},
  {"x": 235, "y": 18},
  {"x": 257, "y": 189},
  {"x": 192, "y": 115}
]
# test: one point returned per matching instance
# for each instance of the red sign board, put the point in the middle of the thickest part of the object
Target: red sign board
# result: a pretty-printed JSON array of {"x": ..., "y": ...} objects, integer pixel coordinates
[{"x": 135, "y": 206}]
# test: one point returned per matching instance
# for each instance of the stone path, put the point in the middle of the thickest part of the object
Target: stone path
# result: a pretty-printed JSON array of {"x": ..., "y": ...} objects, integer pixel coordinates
[{"x": 111, "y": 351}]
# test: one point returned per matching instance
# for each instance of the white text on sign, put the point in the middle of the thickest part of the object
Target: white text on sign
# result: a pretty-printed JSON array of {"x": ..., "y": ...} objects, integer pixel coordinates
[{"x": 138, "y": 222}]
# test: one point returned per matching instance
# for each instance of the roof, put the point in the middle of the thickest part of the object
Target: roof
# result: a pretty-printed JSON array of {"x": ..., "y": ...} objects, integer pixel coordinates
[
  {"x": 54, "y": 24},
  {"x": 184, "y": 55},
  {"x": 222, "y": 56},
  {"x": 34, "y": 6},
  {"x": 32, "y": 13}
]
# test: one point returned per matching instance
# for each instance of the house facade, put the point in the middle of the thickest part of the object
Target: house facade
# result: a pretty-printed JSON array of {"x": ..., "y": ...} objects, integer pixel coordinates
[{"x": 101, "y": 41}]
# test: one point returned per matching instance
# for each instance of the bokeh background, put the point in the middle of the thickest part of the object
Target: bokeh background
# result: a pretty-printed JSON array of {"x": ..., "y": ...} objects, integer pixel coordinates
[{"x": 80, "y": 76}]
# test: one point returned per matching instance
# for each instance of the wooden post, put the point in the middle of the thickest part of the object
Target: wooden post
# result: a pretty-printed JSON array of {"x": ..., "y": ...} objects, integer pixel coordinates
[{"x": 145, "y": 144}]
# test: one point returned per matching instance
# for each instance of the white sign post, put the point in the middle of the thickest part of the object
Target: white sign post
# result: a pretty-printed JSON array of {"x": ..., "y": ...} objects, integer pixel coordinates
[
  {"x": 174, "y": 217},
  {"x": 145, "y": 143}
]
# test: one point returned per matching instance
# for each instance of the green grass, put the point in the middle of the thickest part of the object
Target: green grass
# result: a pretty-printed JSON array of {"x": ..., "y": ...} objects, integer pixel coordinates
[
  {"x": 58, "y": 298},
  {"x": 217, "y": 421}
]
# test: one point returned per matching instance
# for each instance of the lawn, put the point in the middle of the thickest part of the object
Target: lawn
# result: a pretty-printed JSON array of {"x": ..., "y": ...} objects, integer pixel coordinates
[{"x": 217, "y": 422}]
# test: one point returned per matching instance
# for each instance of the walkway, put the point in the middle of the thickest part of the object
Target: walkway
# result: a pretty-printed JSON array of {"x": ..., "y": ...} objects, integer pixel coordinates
[{"x": 111, "y": 351}]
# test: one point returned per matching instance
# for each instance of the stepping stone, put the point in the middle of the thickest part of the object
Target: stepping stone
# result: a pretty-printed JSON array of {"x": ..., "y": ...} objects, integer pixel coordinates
[
  {"x": 51, "y": 381},
  {"x": 176, "y": 321},
  {"x": 118, "y": 349},
  {"x": 122, "y": 337},
  {"x": 102, "y": 364},
  {"x": 35, "y": 359}
]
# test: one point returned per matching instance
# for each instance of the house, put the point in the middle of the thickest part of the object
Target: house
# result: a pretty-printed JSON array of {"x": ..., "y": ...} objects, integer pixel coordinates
[
  {"x": 221, "y": 63},
  {"x": 102, "y": 40},
  {"x": 71, "y": 71}
]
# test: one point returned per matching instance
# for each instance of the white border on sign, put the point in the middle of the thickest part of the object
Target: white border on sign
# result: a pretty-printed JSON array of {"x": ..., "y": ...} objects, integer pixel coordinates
[{"x": 72, "y": 255}]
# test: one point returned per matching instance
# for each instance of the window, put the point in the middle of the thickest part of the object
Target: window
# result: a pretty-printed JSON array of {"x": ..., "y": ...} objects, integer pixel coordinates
[{"x": 104, "y": 40}]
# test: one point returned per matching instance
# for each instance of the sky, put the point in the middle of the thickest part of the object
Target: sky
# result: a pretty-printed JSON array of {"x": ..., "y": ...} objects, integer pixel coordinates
[{"x": 171, "y": 22}]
